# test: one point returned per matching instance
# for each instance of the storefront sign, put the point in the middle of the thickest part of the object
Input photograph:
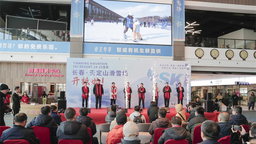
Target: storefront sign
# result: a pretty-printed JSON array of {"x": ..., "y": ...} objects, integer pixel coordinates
[
  {"x": 43, "y": 72},
  {"x": 241, "y": 83}
]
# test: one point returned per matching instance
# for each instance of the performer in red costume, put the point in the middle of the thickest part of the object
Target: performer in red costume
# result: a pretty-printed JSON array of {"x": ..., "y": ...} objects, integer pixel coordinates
[
  {"x": 167, "y": 94},
  {"x": 25, "y": 98},
  {"x": 128, "y": 93},
  {"x": 85, "y": 94},
  {"x": 180, "y": 95},
  {"x": 98, "y": 91},
  {"x": 113, "y": 94},
  {"x": 141, "y": 92},
  {"x": 156, "y": 90}
]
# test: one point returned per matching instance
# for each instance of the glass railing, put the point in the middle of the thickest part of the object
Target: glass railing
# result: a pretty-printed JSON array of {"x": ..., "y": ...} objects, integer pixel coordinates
[
  {"x": 32, "y": 34},
  {"x": 220, "y": 43}
]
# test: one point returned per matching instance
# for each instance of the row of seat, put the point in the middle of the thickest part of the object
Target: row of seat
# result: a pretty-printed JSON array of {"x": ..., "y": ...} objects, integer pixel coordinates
[{"x": 43, "y": 134}]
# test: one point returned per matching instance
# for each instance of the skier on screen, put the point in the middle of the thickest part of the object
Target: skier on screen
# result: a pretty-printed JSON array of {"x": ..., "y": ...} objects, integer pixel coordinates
[{"x": 128, "y": 23}]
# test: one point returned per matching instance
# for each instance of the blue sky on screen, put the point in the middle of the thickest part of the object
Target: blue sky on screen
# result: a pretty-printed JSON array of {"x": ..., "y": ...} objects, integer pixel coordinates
[{"x": 136, "y": 8}]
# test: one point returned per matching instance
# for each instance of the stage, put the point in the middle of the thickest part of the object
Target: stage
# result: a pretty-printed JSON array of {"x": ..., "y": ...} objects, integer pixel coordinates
[{"x": 98, "y": 115}]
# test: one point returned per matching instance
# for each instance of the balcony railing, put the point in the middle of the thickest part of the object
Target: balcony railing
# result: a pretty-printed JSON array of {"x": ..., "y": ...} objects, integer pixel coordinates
[
  {"x": 31, "y": 34},
  {"x": 220, "y": 43}
]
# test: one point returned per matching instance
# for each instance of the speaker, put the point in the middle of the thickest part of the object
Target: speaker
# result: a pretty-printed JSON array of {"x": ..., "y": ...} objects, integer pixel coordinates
[
  {"x": 209, "y": 107},
  {"x": 62, "y": 104},
  {"x": 209, "y": 96},
  {"x": 62, "y": 95}
]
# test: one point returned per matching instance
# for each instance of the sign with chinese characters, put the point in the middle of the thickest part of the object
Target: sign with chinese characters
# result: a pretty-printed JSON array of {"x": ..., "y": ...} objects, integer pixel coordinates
[
  {"x": 179, "y": 20},
  {"x": 80, "y": 70},
  {"x": 77, "y": 18},
  {"x": 127, "y": 49},
  {"x": 43, "y": 72},
  {"x": 34, "y": 46}
]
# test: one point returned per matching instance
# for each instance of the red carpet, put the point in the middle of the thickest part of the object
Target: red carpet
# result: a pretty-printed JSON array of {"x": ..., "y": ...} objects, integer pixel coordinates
[{"x": 98, "y": 115}]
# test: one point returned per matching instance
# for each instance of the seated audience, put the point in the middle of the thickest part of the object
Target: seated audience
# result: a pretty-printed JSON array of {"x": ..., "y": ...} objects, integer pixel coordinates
[
  {"x": 246, "y": 137},
  {"x": 192, "y": 112},
  {"x": 18, "y": 131},
  {"x": 197, "y": 120},
  {"x": 131, "y": 133},
  {"x": 210, "y": 131},
  {"x": 180, "y": 112},
  {"x": 161, "y": 122},
  {"x": 71, "y": 129},
  {"x": 225, "y": 127},
  {"x": 85, "y": 120},
  {"x": 136, "y": 116},
  {"x": 238, "y": 118},
  {"x": 152, "y": 111},
  {"x": 176, "y": 132},
  {"x": 114, "y": 123},
  {"x": 45, "y": 120},
  {"x": 54, "y": 114},
  {"x": 111, "y": 114},
  {"x": 117, "y": 131},
  {"x": 198, "y": 102}
]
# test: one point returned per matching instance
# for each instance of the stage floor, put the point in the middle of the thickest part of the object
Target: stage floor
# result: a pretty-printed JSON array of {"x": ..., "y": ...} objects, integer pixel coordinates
[{"x": 98, "y": 115}]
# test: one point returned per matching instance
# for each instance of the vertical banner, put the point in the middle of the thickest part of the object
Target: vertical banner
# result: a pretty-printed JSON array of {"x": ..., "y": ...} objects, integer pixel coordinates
[
  {"x": 77, "y": 18},
  {"x": 179, "y": 20},
  {"x": 160, "y": 71}
]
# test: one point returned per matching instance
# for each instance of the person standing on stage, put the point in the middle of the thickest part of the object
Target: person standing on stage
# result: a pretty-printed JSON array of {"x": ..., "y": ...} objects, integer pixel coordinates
[
  {"x": 141, "y": 92},
  {"x": 113, "y": 94},
  {"x": 167, "y": 90},
  {"x": 85, "y": 94},
  {"x": 180, "y": 95},
  {"x": 98, "y": 91},
  {"x": 156, "y": 90},
  {"x": 16, "y": 97},
  {"x": 128, "y": 92},
  {"x": 3, "y": 108}
]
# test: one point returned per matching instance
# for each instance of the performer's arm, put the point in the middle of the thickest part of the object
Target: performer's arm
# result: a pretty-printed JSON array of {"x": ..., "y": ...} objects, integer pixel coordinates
[
  {"x": 102, "y": 89},
  {"x": 164, "y": 90},
  {"x": 124, "y": 91},
  {"x": 130, "y": 90},
  {"x": 94, "y": 89},
  {"x": 83, "y": 90},
  {"x": 88, "y": 90},
  {"x": 170, "y": 89},
  {"x": 177, "y": 89},
  {"x": 144, "y": 90},
  {"x": 182, "y": 89},
  {"x": 116, "y": 91}
]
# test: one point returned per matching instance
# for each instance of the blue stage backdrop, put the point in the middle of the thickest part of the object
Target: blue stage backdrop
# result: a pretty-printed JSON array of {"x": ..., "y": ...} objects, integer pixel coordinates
[{"x": 123, "y": 70}]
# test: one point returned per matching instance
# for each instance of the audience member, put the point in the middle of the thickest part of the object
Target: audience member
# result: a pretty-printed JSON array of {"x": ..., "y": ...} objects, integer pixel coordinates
[
  {"x": 197, "y": 120},
  {"x": 176, "y": 132},
  {"x": 71, "y": 129},
  {"x": 237, "y": 118},
  {"x": 198, "y": 102},
  {"x": 117, "y": 131},
  {"x": 45, "y": 120},
  {"x": 136, "y": 116},
  {"x": 192, "y": 112},
  {"x": 180, "y": 112},
  {"x": 152, "y": 111},
  {"x": 210, "y": 131},
  {"x": 18, "y": 131},
  {"x": 252, "y": 100},
  {"x": 114, "y": 123},
  {"x": 131, "y": 133},
  {"x": 54, "y": 114},
  {"x": 246, "y": 137},
  {"x": 85, "y": 120},
  {"x": 111, "y": 114},
  {"x": 3, "y": 90},
  {"x": 161, "y": 122},
  {"x": 225, "y": 127}
]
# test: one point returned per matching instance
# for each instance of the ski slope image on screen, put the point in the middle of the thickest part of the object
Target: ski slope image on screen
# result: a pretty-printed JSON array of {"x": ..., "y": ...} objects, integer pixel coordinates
[{"x": 127, "y": 22}]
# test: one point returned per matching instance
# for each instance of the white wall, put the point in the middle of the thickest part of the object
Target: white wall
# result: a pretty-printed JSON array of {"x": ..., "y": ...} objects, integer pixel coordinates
[
  {"x": 240, "y": 34},
  {"x": 222, "y": 64}
]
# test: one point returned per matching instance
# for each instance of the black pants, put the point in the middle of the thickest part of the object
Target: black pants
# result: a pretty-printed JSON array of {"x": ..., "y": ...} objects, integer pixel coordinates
[
  {"x": 98, "y": 100},
  {"x": 112, "y": 101},
  {"x": 86, "y": 101},
  {"x": 156, "y": 99},
  {"x": 15, "y": 111},
  {"x": 166, "y": 102},
  {"x": 180, "y": 101},
  {"x": 2, "y": 123},
  {"x": 126, "y": 29},
  {"x": 141, "y": 99}
]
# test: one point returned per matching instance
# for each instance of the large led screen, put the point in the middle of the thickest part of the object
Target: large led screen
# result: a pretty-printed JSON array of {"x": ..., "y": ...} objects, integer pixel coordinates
[{"x": 127, "y": 22}]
